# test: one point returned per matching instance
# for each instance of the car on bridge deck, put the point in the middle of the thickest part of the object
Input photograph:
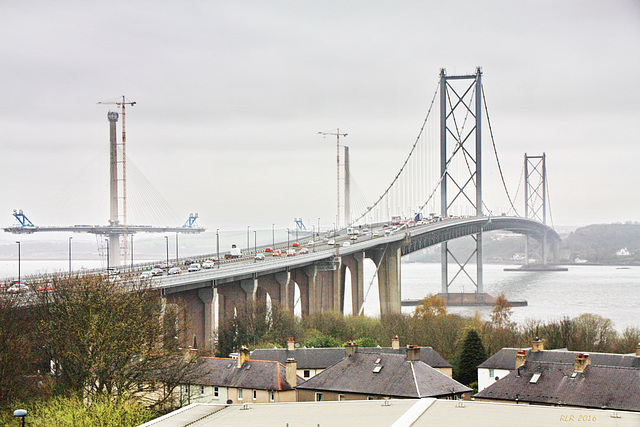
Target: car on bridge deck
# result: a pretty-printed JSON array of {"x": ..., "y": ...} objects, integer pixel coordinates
[
  {"x": 331, "y": 242},
  {"x": 156, "y": 272},
  {"x": 268, "y": 249},
  {"x": 303, "y": 251},
  {"x": 291, "y": 252},
  {"x": 276, "y": 252},
  {"x": 45, "y": 287},
  {"x": 295, "y": 244},
  {"x": 146, "y": 274},
  {"x": 18, "y": 288},
  {"x": 194, "y": 266},
  {"x": 174, "y": 270},
  {"x": 208, "y": 264},
  {"x": 259, "y": 257}
]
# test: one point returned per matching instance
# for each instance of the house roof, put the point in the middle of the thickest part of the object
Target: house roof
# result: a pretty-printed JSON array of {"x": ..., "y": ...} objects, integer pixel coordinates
[
  {"x": 397, "y": 377},
  {"x": 610, "y": 387},
  {"x": 254, "y": 374},
  {"x": 322, "y": 358},
  {"x": 506, "y": 358}
]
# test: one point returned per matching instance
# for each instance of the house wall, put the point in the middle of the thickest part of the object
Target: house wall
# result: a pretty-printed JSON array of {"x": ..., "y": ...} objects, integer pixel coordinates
[
  {"x": 486, "y": 377},
  {"x": 262, "y": 396},
  {"x": 194, "y": 393},
  {"x": 310, "y": 396},
  {"x": 447, "y": 371},
  {"x": 312, "y": 373}
]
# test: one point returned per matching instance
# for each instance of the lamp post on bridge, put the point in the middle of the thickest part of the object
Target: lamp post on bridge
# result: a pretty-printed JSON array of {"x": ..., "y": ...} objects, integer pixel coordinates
[
  {"x": 131, "y": 268},
  {"x": 70, "y": 238},
  {"x": 255, "y": 245},
  {"x": 287, "y": 238},
  {"x": 19, "y": 281},
  {"x": 247, "y": 237},
  {"x": 273, "y": 235},
  {"x": 218, "y": 246},
  {"x": 166, "y": 240},
  {"x": 107, "y": 240},
  {"x": 177, "y": 257}
]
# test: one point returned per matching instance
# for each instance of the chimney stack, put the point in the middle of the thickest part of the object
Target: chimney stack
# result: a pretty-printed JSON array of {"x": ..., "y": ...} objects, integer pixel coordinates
[
  {"x": 638, "y": 350},
  {"x": 581, "y": 362},
  {"x": 413, "y": 352},
  {"x": 537, "y": 345},
  {"x": 291, "y": 344},
  {"x": 521, "y": 358},
  {"x": 395, "y": 343},
  {"x": 350, "y": 349},
  {"x": 243, "y": 355},
  {"x": 290, "y": 373}
]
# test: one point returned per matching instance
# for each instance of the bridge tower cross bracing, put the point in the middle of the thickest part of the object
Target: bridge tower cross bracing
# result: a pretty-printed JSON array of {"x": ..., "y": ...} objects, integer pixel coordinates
[
  {"x": 535, "y": 197},
  {"x": 452, "y": 124}
]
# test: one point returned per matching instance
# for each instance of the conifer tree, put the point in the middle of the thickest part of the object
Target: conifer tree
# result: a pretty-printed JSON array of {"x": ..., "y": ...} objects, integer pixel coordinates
[{"x": 472, "y": 355}]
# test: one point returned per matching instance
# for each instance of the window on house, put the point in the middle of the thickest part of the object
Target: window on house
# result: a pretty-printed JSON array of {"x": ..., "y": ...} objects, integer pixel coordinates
[
  {"x": 369, "y": 397},
  {"x": 341, "y": 397},
  {"x": 306, "y": 373},
  {"x": 255, "y": 394},
  {"x": 491, "y": 373},
  {"x": 239, "y": 394},
  {"x": 272, "y": 396},
  {"x": 201, "y": 389},
  {"x": 216, "y": 392},
  {"x": 318, "y": 397}
]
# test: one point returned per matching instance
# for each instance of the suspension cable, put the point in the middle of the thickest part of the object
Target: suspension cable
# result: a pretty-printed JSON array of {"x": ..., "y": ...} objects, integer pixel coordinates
[
  {"x": 405, "y": 162},
  {"x": 495, "y": 151},
  {"x": 371, "y": 282}
]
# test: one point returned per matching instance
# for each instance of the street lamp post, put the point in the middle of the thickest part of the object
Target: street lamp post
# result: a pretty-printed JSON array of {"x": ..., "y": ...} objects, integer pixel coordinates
[
  {"x": 287, "y": 238},
  {"x": 19, "y": 281},
  {"x": 247, "y": 238},
  {"x": 177, "y": 258},
  {"x": 273, "y": 235},
  {"x": 218, "y": 245},
  {"x": 166, "y": 239},
  {"x": 255, "y": 244},
  {"x": 70, "y": 238},
  {"x": 131, "y": 253},
  {"x": 107, "y": 240}
]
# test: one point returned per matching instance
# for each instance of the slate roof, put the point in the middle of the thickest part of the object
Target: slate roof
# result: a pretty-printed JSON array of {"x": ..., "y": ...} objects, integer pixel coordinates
[
  {"x": 322, "y": 358},
  {"x": 506, "y": 358},
  {"x": 603, "y": 387},
  {"x": 254, "y": 374},
  {"x": 398, "y": 377}
]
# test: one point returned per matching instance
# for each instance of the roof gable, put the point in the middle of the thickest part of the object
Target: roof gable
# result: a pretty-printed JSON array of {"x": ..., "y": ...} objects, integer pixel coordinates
[
  {"x": 397, "y": 377},
  {"x": 254, "y": 374},
  {"x": 557, "y": 384}
]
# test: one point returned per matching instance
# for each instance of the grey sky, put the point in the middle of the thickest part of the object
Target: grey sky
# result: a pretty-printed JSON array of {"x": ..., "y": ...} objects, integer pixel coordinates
[{"x": 231, "y": 96}]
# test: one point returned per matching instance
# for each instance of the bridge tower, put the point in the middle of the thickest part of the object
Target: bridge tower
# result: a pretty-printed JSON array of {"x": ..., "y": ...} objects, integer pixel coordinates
[
  {"x": 535, "y": 198},
  {"x": 461, "y": 163},
  {"x": 114, "y": 238}
]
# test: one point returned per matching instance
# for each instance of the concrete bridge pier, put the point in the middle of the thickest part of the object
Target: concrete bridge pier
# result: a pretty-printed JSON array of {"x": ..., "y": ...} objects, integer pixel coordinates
[
  {"x": 280, "y": 287},
  {"x": 234, "y": 295},
  {"x": 306, "y": 279},
  {"x": 196, "y": 321},
  {"x": 355, "y": 263},
  {"x": 387, "y": 261}
]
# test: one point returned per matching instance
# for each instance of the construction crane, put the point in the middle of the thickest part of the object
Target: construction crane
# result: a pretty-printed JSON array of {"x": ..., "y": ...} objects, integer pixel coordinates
[{"x": 121, "y": 103}]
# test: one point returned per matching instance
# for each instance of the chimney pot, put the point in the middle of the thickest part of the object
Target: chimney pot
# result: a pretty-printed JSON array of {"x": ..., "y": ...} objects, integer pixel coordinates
[
  {"x": 537, "y": 345},
  {"x": 413, "y": 352},
  {"x": 350, "y": 349},
  {"x": 395, "y": 343},
  {"x": 290, "y": 372},
  {"x": 581, "y": 362},
  {"x": 243, "y": 355},
  {"x": 291, "y": 344},
  {"x": 521, "y": 358}
]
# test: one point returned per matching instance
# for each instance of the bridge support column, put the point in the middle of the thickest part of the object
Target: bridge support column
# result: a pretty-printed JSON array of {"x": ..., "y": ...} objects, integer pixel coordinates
[
  {"x": 232, "y": 297},
  {"x": 280, "y": 287},
  {"x": 388, "y": 264},
  {"x": 208, "y": 298},
  {"x": 328, "y": 290},
  {"x": 355, "y": 262},
  {"x": 305, "y": 278}
]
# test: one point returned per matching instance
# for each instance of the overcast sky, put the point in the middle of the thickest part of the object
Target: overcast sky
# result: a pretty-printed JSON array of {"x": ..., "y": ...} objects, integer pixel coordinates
[{"x": 231, "y": 94}]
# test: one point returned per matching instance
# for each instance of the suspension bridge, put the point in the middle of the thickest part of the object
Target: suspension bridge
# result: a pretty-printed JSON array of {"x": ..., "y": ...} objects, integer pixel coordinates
[{"x": 435, "y": 197}]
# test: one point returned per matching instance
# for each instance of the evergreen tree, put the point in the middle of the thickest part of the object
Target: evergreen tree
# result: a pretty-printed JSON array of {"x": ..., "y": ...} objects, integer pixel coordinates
[{"x": 471, "y": 356}]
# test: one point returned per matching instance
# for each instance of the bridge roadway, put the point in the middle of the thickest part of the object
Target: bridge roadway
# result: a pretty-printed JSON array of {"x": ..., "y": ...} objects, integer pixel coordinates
[{"x": 320, "y": 274}]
